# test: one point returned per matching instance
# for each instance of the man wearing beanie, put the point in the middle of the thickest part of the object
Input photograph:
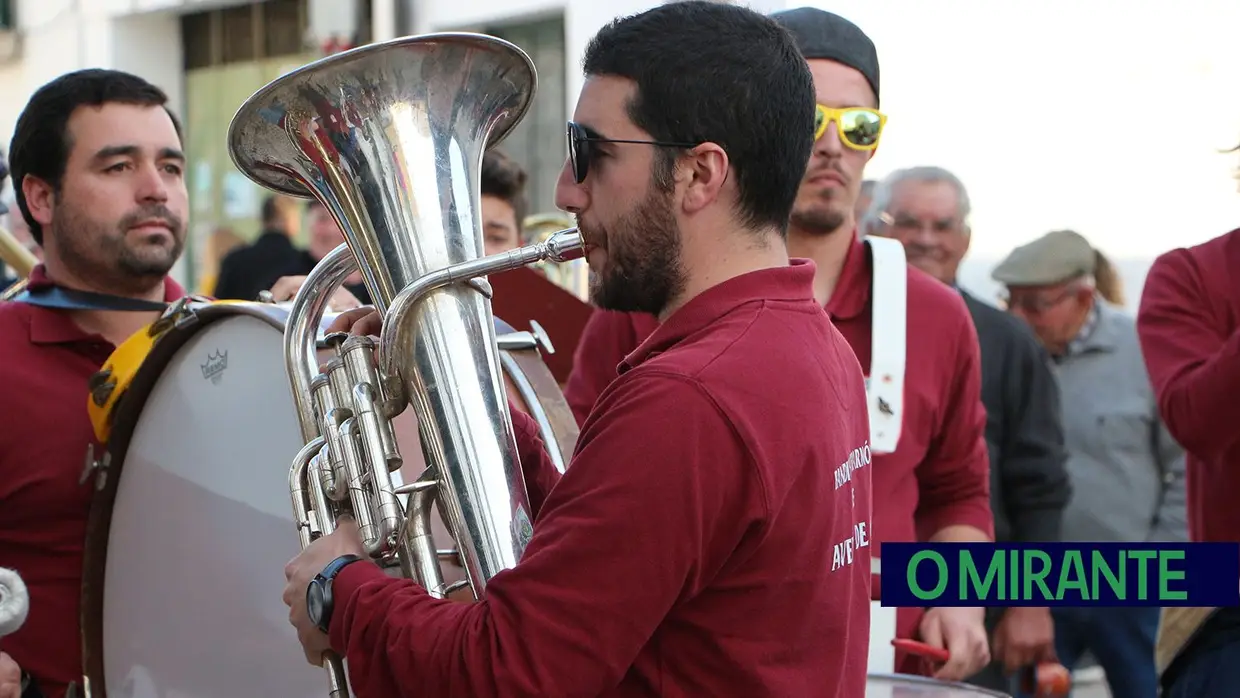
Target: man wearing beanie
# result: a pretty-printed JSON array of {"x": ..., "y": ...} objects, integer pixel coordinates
[{"x": 928, "y": 439}]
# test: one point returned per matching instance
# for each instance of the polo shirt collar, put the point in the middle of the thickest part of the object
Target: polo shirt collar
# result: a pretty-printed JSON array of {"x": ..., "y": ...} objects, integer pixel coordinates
[
  {"x": 794, "y": 282},
  {"x": 48, "y": 326},
  {"x": 852, "y": 291}
]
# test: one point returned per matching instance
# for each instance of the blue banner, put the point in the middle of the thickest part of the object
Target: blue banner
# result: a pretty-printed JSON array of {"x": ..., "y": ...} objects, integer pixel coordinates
[{"x": 1060, "y": 574}]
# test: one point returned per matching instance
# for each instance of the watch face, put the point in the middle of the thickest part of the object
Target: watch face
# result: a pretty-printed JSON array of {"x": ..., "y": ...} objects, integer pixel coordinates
[{"x": 314, "y": 602}]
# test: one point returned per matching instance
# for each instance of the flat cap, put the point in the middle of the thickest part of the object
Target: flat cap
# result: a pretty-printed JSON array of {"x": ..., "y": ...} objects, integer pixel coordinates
[
  {"x": 822, "y": 34},
  {"x": 1051, "y": 259}
]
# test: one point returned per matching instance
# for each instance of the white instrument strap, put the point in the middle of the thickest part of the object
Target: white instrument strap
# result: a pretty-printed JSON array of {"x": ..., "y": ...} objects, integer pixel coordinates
[
  {"x": 888, "y": 342},
  {"x": 885, "y": 393}
]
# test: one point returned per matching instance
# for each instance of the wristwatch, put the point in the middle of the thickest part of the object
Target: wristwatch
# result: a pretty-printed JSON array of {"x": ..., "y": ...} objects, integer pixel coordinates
[{"x": 319, "y": 600}]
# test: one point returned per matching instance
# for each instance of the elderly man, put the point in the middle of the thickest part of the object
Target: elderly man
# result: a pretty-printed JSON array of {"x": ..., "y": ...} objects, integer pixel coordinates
[
  {"x": 927, "y": 209},
  {"x": 1119, "y": 451}
]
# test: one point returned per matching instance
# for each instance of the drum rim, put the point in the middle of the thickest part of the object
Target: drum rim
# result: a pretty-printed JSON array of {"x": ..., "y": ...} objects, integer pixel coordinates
[
  {"x": 936, "y": 683},
  {"x": 99, "y": 519}
]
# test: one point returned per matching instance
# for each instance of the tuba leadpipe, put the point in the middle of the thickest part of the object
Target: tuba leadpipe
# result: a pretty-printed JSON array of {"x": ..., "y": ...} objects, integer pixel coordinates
[{"x": 390, "y": 138}]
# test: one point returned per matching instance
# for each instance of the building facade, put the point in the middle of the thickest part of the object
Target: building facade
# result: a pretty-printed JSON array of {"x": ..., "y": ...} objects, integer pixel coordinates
[{"x": 210, "y": 55}]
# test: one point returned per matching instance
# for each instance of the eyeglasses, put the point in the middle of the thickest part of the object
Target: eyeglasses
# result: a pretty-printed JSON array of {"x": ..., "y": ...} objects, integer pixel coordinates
[
  {"x": 859, "y": 128},
  {"x": 581, "y": 151},
  {"x": 910, "y": 225},
  {"x": 1034, "y": 303}
]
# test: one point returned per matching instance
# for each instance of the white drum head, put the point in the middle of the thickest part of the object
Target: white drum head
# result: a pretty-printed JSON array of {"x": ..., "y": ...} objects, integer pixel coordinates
[
  {"x": 192, "y": 526},
  {"x": 200, "y": 529}
]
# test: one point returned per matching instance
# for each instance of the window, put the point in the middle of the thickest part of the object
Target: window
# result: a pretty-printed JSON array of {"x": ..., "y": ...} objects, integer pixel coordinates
[
  {"x": 243, "y": 33},
  {"x": 537, "y": 143},
  {"x": 8, "y": 16}
]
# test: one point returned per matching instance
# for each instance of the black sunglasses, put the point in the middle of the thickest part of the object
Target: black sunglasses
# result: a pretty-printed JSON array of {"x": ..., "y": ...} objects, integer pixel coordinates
[{"x": 580, "y": 151}]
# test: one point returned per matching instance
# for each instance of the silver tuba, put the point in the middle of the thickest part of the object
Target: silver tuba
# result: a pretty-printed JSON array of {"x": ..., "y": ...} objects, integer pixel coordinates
[{"x": 390, "y": 138}]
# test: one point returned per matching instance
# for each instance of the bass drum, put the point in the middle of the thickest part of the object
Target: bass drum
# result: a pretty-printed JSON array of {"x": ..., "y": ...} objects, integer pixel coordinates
[
  {"x": 906, "y": 686},
  {"x": 192, "y": 522}
]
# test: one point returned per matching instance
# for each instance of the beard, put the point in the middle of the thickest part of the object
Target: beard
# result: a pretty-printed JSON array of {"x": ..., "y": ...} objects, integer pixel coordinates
[
  {"x": 821, "y": 217},
  {"x": 105, "y": 254},
  {"x": 643, "y": 272}
]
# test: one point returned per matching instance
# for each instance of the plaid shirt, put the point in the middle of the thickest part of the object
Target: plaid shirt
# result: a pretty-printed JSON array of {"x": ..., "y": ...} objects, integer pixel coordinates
[{"x": 1082, "y": 336}]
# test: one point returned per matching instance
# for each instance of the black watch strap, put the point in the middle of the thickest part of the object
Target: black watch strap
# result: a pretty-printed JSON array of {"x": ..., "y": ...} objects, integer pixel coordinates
[
  {"x": 333, "y": 568},
  {"x": 320, "y": 590}
]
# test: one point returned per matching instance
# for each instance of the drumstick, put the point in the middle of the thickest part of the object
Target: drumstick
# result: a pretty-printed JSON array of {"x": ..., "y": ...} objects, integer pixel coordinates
[
  {"x": 14, "y": 601},
  {"x": 921, "y": 649},
  {"x": 1046, "y": 680}
]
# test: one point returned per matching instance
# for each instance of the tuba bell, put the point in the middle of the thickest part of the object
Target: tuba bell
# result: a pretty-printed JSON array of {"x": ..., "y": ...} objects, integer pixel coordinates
[{"x": 390, "y": 138}]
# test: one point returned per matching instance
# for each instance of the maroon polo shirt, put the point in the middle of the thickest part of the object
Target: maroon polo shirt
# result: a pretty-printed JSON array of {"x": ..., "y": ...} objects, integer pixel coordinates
[
  {"x": 708, "y": 539},
  {"x": 45, "y": 363},
  {"x": 939, "y": 473},
  {"x": 1189, "y": 324}
]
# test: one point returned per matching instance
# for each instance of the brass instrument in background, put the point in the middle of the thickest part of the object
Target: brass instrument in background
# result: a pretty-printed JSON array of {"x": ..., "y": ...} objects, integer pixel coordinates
[
  {"x": 14, "y": 254},
  {"x": 390, "y": 138},
  {"x": 573, "y": 275}
]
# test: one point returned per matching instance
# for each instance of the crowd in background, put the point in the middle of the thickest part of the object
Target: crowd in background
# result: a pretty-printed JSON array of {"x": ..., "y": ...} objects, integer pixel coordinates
[
  {"x": 1076, "y": 444},
  {"x": 1069, "y": 406}
]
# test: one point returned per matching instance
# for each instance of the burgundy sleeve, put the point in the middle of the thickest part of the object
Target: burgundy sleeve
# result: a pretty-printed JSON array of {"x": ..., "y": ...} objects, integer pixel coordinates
[
  {"x": 954, "y": 478},
  {"x": 620, "y": 538},
  {"x": 1193, "y": 366},
  {"x": 608, "y": 337},
  {"x": 540, "y": 473}
]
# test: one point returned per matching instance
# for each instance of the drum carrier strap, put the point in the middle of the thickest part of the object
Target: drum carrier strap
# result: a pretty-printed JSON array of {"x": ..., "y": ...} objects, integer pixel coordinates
[
  {"x": 62, "y": 298},
  {"x": 889, "y": 343}
]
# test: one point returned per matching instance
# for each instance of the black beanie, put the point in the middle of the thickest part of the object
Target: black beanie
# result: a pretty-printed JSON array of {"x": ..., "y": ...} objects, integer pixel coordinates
[{"x": 821, "y": 34}]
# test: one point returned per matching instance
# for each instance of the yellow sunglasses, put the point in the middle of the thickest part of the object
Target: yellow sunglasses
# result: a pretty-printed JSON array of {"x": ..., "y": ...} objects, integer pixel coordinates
[{"x": 859, "y": 128}]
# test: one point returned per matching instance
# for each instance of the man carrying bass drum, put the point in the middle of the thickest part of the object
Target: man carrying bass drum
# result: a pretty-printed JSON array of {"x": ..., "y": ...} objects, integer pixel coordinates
[{"x": 98, "y": 173}]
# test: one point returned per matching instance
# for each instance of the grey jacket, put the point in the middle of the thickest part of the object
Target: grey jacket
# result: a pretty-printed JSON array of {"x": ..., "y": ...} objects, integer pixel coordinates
[{"x": 1127, "y": 472}]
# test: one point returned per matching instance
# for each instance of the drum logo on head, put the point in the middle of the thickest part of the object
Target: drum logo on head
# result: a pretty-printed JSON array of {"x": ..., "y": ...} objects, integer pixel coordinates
[{"x": 213, "y": 370}]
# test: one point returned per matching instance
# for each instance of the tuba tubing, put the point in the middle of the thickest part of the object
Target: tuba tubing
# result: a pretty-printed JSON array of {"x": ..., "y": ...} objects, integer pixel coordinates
[
  {"x": 390, "y": 138},
  {"x": 405, "y": 534},
  {"x": 310, "y": 498},
  {"x": 15, "y": 254}
]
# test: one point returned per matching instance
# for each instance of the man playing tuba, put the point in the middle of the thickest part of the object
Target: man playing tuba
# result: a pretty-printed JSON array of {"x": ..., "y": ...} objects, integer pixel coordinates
[{"x": 700, "y": 542}]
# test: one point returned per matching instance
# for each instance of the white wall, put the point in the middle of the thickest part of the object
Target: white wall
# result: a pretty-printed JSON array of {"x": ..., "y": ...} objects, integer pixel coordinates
[
  {"x": 1105, "y": 116},
  {"x": 582, "y": 19},
  {"x": 64, "y": 35},
  {"x": 12, "y": 94}
]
